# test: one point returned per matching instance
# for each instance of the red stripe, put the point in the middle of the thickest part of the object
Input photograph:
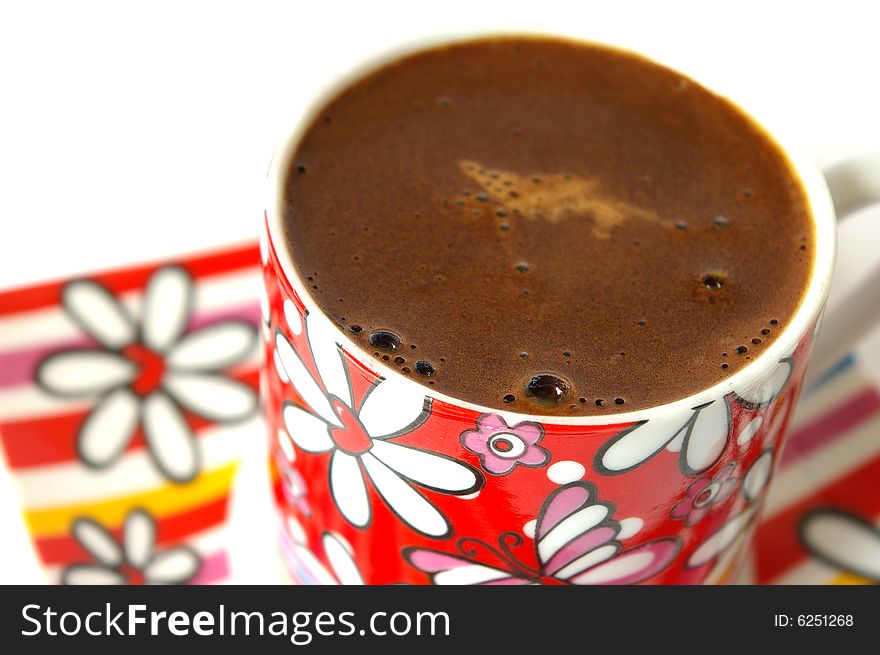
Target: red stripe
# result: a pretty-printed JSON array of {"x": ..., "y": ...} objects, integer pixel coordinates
[
  {"x": 172, "y": 529},
  {"x": 831, "y": 425},
  {"x": 119, "y": 281},
  {"x": 777, "y": 547},
  {"x": 278, "y": 493},
  {"x": 52, "y": 439}
]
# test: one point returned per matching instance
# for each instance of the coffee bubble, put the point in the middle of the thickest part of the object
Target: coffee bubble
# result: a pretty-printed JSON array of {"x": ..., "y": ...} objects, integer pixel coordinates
[
  {"x": 385, "y": 340},
  {"x": 714, "y": 280},
  {"x": 547, "y": 388}
]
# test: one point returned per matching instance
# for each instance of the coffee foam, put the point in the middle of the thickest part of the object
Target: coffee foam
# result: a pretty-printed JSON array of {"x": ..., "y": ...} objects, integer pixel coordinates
[
  {"x": 547, "y": 227},
  {"x": 553, "y": 197}
]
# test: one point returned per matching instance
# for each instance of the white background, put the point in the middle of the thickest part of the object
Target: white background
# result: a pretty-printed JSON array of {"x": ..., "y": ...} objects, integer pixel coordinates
[{"x": 131, "y": 131}]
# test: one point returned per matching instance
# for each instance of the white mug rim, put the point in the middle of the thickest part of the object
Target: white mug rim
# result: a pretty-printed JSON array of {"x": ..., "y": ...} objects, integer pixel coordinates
[{"x": 811, "y": 179}]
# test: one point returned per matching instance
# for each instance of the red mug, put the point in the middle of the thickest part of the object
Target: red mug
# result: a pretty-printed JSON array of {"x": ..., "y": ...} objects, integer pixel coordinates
[{"x": 379, "y": 479}]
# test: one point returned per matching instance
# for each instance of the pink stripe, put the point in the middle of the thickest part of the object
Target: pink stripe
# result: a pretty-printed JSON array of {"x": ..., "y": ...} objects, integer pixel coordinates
[
  {"x": 17, "y": 367},
  {"x": 215, "y": 568},
  {"x": 831, "y": 425}
]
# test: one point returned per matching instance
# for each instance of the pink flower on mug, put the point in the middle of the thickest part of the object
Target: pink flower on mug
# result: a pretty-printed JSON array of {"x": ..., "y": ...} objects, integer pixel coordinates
[
  {"x": 704, "y": 494},
  {"x": 502, "y": 447},
  {"x": 577, "y": 542},
  {"x": 361, "y": 436},
  {"x": 135, "y": 561},
  {"x": 754, "y": 484},
  {"x": 145, "y": 374}
]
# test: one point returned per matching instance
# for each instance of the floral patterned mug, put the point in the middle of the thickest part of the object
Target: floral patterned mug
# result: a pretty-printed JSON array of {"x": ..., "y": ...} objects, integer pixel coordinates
[{"x": 380, "y": 480}]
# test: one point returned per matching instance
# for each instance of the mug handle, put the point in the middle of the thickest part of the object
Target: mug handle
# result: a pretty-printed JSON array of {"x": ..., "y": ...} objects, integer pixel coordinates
[{"x": 854, "y": 185}]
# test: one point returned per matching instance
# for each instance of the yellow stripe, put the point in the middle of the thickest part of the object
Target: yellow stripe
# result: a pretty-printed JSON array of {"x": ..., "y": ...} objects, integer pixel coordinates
[
  {"x": 849, "y": 579},
  {"x": 169, "y": 499}
]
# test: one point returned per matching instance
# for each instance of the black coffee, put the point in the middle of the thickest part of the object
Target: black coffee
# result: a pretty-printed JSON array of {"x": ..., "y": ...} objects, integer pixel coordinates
[{"x": 548, "y": 227}]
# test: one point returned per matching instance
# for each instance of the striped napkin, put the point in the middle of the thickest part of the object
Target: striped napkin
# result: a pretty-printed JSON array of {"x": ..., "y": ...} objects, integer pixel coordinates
[{"x": 125, "y": 400}]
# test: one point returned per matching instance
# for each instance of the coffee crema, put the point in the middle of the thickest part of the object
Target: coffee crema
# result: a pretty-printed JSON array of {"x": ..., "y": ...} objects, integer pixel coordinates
[{"x": 548, "y": 227}]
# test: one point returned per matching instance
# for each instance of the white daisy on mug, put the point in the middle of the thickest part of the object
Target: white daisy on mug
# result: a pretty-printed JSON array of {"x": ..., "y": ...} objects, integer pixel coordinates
[{"x": 361, "y": 437}]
